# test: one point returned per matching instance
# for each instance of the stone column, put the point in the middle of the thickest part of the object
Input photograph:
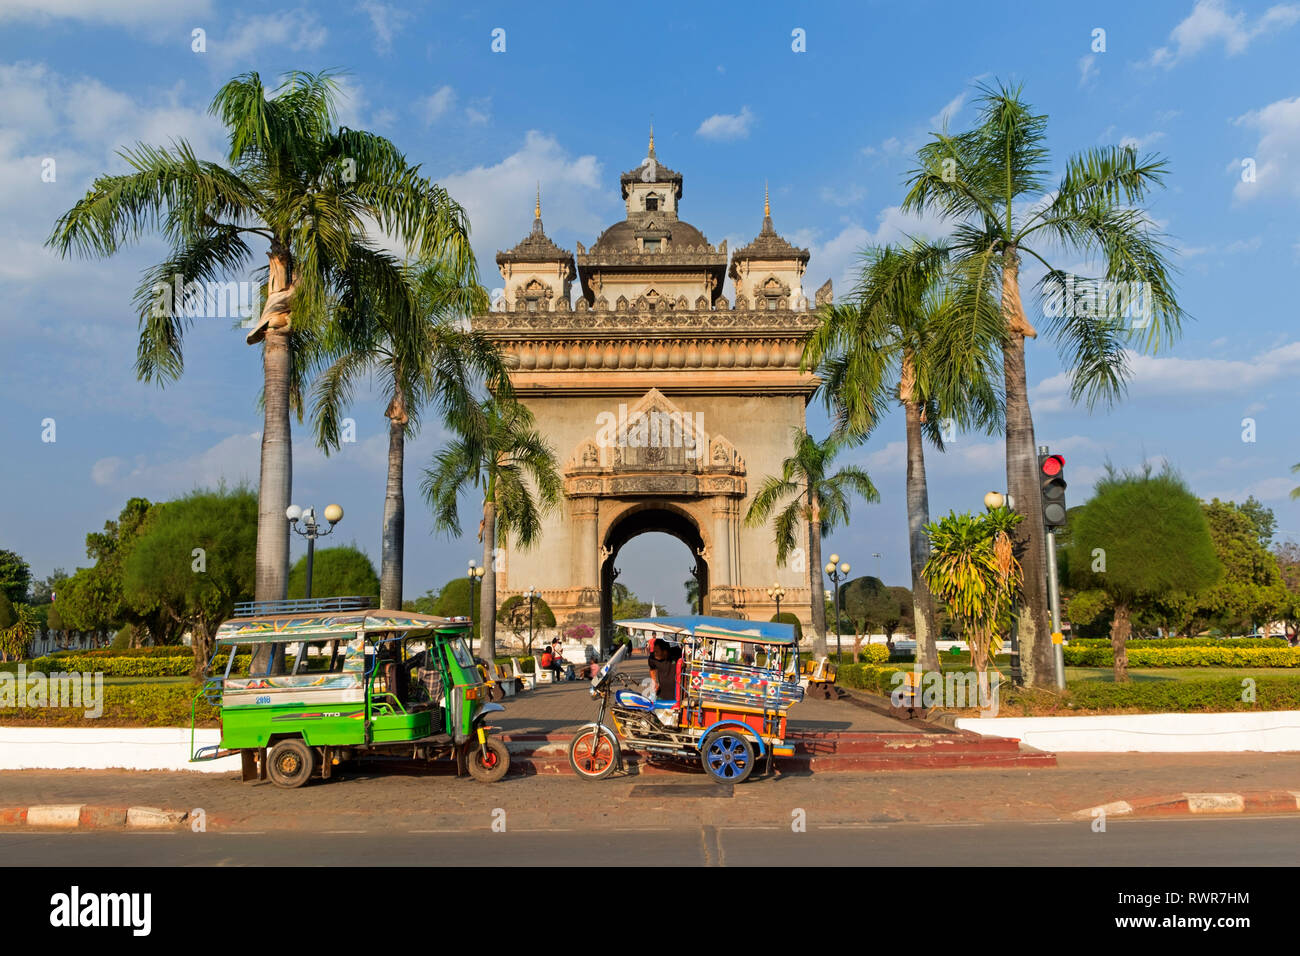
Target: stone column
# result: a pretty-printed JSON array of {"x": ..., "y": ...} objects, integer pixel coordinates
[
  {"x": 585, "y": 570},
  {"x": 720, "y": 579}
]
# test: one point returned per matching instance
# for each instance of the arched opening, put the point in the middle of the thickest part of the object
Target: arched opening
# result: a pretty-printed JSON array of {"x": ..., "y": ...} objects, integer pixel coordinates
[{"x": 651, "y": 519}]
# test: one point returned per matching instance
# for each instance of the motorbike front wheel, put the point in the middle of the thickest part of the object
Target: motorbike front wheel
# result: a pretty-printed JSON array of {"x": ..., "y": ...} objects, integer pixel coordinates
[{"x": 593, "y": 752}]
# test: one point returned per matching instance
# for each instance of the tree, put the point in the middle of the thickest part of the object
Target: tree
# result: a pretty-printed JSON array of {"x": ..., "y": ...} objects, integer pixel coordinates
[
  {"x": 16, "y": 635},
  {"x": 897, "y": 340},
  {"x": 814, "y": 499},
  {"x": 424, "y": 604},
  {"x": 15, "y": 576},
  {"x": 973, "y": 570},
  {"x": 499, "y": 451},
  {"x": 866, "y": 603},
  {"x": 343, "y": 571},
  {"x": 1146, "y": 536},
  {"x": 194, "y": 561},
  {"x": 305, "y": 187},
  {"x": 1287, "y": 555},
  {"x": 515, "y": 612},
  {"x": 902, "y": 617},
  {"x": 990, "y": 184},
  {"x": 692, "y": 585},
  {"x": 423, "y": 360},
  {"x": 1251, "y": 589}
]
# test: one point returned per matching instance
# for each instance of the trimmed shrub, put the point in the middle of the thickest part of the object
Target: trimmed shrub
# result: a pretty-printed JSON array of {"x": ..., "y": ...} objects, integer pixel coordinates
[
  {"x": 138, "y": 705},
  {"x": 168, "y": 665},
  {"x": 1140, "y": 642},
  {"x": 874, "y": 654},
  {"x": 1199, "y": 656}
]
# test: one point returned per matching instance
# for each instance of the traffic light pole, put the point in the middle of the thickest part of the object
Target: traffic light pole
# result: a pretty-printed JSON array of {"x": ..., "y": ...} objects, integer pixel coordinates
[{"x": 1054, "y": 602}]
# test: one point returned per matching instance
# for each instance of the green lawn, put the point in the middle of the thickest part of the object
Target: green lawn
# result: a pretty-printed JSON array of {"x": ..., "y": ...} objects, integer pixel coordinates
[{"x": 1107, "y": 674}]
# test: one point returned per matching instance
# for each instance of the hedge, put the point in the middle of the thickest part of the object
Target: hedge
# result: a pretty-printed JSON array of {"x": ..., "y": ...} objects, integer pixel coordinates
[
  {"x": 1210, "y": 656},
  {"x": 1212, "y": 694},
  {"x": 173, "y": 665},
  {"x": 1138, "y": 642},
  {"x": 134, "y": 705}
]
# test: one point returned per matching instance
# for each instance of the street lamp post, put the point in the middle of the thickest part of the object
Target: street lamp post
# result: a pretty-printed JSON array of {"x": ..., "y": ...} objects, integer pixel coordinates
[
  {"x": 837, "y": 572},
  {"x": 311, "y": 530},
  {"x": 532, "y": 594},
  {"x": 776, "y": 592},
  {"x": 475, "y": 574}
]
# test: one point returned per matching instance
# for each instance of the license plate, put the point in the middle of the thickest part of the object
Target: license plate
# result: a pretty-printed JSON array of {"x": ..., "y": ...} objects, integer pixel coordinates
[{"x": 482, "y": 735}]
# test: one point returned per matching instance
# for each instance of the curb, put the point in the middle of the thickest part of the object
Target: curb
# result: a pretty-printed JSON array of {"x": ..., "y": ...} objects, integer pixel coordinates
[
  {"x": 80, "y": 816},
  {"x": 1257, "y": 801}
]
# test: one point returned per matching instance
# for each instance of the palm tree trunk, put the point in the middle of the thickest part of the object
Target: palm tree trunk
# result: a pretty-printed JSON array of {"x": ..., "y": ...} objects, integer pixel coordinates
[
  {"x": 918, "y": 516},
  {"x": 394, "y": 532},
  {"x": 815, "y": 575},
  {"x": 275, "y": 486},
  {"x": 487, "y": 605},
  {"x": 272, "y": 565},
  {"x": 1022, "y": 482}
]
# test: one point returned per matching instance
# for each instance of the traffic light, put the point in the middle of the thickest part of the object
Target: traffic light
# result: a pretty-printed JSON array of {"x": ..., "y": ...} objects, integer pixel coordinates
[{"x": 1051, "y": 483}]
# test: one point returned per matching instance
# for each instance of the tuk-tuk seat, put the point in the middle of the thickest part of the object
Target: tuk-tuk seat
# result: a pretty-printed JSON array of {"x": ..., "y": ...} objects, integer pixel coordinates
[{"x": 628, "y": 698}]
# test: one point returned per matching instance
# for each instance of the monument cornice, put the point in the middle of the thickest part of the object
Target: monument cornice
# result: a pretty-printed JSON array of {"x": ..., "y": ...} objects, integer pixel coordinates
[{"x": 637, "y": 323}]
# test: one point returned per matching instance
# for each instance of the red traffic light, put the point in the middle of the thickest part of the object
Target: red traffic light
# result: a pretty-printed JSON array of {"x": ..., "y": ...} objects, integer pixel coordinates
[{"x": 1052, "y": 465}]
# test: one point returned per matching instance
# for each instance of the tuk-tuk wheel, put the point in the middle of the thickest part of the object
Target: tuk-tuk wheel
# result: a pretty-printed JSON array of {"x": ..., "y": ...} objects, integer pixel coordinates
[
  {"x": 291, "y": 763},
  {"x": 727, "y": 756},
  {"x": 487, "y": 767}
]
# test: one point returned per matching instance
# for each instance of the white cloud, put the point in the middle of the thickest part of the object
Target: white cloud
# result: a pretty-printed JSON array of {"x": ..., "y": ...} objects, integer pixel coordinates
[
  {"x": 1153, "y": 376},
  {"x": 1141, "y": 142},
  {"x": 283, "y": 30},
  {"x": 114, "y": 12},
  {"x": 1276, "y": 156},
  {"x": 386, "y": 21},
  {"x": 499, "y": 198},
  {"x": 1210, "y": 20},
  {"x": 840, "y": 256},
  {"x": 1265, "y": 489},
  {"x": 1088, "y": 69},
  {"x": 725, "y": 126},
  {"x": 437, "y": 105},
  {"x": 941, "y": 119}
]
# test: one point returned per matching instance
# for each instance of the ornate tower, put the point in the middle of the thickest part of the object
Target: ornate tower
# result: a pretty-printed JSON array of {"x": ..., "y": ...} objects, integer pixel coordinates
[{"x": 666, "y": 404}]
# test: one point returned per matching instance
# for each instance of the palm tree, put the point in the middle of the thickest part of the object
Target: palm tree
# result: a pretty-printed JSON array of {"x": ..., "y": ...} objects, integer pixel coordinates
[
  {"x": 305, "y": 187},
  {"x": 499, "y": 450},
  {"x": 973, "y": 570},
  {"x": 1295, "y": 492},
  {"x": 989, "y": 183},
  {"x": 898, "y": 338},
  {"x": 423, "y": 359},
  {"x": 816, "y": 499}
]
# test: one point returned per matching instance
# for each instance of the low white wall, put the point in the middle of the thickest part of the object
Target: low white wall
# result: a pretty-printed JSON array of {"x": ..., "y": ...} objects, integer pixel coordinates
[
  {"x": 1269, "y": 731},
  {"x": 94, "y": 748}
]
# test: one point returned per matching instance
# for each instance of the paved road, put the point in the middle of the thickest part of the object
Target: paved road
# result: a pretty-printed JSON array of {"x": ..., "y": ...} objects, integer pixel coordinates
[{"x": 1239, "y": 841}]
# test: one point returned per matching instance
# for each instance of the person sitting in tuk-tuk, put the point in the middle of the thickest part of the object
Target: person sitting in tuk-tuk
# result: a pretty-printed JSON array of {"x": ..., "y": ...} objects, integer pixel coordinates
[{"x": 663, "y": 669}]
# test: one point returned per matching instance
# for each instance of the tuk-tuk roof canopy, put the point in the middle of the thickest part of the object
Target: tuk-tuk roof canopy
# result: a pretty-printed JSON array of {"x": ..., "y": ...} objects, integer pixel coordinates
[
  {"x": 271, "y": 628},
  {"x": 722, "y": 628}
]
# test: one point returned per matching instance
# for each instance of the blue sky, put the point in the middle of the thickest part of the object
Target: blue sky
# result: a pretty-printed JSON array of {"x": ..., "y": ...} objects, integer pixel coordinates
[{"x": 832, "y": 129}]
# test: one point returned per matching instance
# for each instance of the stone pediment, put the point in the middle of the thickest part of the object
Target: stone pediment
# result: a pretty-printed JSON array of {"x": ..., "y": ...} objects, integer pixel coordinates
[{"x": 653, "y": 446}]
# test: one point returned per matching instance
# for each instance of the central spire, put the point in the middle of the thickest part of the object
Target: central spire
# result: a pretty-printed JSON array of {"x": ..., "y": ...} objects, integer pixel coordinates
[
  {"x": 767, "y": 206},
  {"x": 652, "y": 138},
  {"x": 537, "y": 210}
]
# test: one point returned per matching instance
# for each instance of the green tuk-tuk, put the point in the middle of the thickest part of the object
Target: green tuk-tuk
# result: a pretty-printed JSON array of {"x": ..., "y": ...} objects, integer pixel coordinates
[{"x": 306, "y": 684}]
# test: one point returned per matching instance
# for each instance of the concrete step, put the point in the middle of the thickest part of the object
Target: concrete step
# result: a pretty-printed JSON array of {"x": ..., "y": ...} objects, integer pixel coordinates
[{"x": 814, "y": 753}]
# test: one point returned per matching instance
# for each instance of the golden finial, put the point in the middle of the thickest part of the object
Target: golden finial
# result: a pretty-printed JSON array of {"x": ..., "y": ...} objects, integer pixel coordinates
[
  {"x": 652, "y": 137},
  {"x": 537, "y": 211},
  {"x": 767, "y": 206}
]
